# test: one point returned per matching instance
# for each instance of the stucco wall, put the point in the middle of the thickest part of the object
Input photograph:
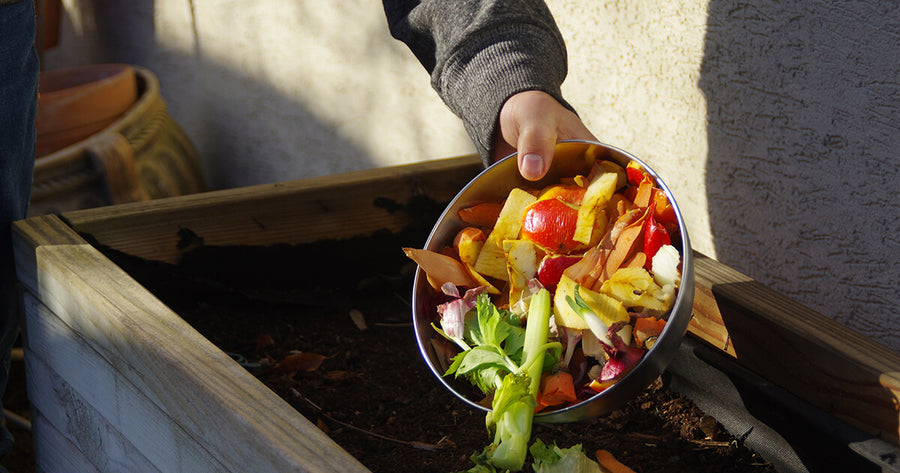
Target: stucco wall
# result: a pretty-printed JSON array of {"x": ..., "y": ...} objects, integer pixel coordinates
[
  {"x": 273, "y": 90},
  {"x": 777, "y": 124}
]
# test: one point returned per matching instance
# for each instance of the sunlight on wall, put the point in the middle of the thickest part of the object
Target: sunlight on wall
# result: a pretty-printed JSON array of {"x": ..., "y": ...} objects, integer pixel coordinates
[
  {"x": 337, "y": 77},
  {"x": 174, "y": 26},
  {"x": 633, "y": 73}
]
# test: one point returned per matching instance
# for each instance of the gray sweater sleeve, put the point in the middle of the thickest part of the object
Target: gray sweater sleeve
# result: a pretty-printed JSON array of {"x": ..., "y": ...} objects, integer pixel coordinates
[{"x": 480, "y": 52}]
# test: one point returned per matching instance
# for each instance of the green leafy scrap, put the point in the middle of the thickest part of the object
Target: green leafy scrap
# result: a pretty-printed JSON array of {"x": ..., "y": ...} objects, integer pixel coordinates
[{"x": 553, "y": 459}]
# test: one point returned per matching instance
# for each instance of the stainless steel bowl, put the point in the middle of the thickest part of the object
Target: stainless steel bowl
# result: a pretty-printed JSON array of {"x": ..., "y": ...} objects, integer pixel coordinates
[{"x": 493, "y": 184}]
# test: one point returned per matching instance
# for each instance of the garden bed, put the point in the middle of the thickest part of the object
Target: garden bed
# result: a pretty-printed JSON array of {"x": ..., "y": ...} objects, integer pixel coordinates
[
  {"x": 127, "y": 377},
  {"x": 372, "y": 393}
]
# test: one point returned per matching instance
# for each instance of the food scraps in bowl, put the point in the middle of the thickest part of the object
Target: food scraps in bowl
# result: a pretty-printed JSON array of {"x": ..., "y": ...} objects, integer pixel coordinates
[
  {"x": 546, "y": 296},
  {"x": 601, "y": 243}
]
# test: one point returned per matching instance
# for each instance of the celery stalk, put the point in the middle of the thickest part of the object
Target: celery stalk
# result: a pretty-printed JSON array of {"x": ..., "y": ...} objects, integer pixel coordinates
[
  {"x": 513, "y": 406},
  {"x": 507, "y": 360},
  {"x": 537, "y": 329}
]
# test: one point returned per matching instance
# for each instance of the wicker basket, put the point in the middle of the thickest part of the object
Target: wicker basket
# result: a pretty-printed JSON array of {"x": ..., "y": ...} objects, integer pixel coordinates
[{"x": 142, "y": 155}]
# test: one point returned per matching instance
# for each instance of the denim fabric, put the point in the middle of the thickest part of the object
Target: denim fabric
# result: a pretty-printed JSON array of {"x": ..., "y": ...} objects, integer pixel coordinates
[{"x": 18, "y": 104}]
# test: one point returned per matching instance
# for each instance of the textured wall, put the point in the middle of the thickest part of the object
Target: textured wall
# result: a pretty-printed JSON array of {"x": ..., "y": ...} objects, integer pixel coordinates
[
  {"x": 777, "y": 124},
  {"x": 272, "y": 90}
]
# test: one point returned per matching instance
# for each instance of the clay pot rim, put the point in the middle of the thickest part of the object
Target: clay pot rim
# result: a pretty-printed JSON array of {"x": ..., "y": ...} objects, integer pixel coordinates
[
  {"x": 74, "y": 79},
  {"x": 148, "y": 94},
  {"x": 79, "y": 101}
]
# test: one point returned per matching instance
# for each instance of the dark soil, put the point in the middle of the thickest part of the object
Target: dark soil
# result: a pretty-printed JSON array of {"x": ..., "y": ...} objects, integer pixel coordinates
[{"x": 373, "y": 394}]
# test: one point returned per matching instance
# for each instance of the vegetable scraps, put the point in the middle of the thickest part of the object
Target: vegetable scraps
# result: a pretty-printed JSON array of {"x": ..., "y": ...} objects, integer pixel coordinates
[
  {"x": 553, "y": 459},
  {"x": 506, "y": 360},
  {"x": 564, "y": 289}
]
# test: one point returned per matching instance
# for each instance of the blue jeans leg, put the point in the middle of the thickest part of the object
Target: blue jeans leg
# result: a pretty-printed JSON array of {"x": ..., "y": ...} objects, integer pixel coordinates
[{"x": 18, "y": 105}]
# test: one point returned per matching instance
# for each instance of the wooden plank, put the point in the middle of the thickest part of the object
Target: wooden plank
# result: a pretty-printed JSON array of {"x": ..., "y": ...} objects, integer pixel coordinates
[
  {"x": 83, "y": 426},
  {"x": 338, "y": 206},
  {"x": 205, "y": 393},
  {"x": 23, "y": 246},
  {"x": 53, "y": 452},
  {"x": 817, "y": 359},
  {"x": 814, "y": 357},
  {"x": 98, "y": 409},
  {"x": 707, "y": 323}
]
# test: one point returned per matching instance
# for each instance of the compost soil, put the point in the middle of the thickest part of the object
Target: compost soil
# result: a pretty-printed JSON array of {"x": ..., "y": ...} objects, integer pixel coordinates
[{"x": 362, "y": 380}]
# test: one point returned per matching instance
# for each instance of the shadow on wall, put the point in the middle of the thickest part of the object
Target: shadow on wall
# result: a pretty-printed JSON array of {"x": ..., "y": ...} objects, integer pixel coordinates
[
  {"x": 245, "y": 129},
  {"x": 804, "y": 128}
]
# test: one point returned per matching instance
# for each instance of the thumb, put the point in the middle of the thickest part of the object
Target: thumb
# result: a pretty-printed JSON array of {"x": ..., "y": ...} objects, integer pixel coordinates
[{"x": 535, "y": 146}]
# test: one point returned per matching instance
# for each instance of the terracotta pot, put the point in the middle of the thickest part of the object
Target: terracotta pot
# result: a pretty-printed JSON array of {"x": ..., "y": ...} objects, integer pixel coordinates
[
  {"x": 75, "y": 103},
  {"x": 143, "y": 154}
]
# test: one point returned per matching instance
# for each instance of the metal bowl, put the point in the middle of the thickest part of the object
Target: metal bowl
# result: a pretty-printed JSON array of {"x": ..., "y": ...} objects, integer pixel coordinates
[{"x": 493, "y": 184}]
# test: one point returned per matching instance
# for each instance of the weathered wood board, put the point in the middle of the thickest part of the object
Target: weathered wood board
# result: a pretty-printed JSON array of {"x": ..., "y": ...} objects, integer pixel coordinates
[
  {"x": 822, "y": 362},
  {"x": 337, "y": 206},
  {"x": 122, "y": 382},
  {"x": 128, "y": 371}
]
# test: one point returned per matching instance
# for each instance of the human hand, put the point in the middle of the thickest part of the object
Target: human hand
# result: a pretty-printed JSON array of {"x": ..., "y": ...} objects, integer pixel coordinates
[{"x": 533, "y": 122}]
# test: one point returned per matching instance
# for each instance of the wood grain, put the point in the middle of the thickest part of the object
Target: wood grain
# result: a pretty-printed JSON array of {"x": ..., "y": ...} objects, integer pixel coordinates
[
  {"x": 54, "y": 451},
  {"x": 76, "y": 421},
  {"x": 357, "y": 203},
  {"x": 832, "y": 367},
  {"x": 97, "y": 409},
  {"x": 152, "y": 353}
]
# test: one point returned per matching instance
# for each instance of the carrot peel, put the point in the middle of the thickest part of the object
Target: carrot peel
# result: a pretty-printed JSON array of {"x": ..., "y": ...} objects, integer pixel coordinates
[
  {"x": 610, "y": 464},
  {"x": 557, "y": 388}
]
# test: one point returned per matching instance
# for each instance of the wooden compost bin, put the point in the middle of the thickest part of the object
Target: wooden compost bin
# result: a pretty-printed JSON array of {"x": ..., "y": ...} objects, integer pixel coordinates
[{"x": 119, "y": 382}]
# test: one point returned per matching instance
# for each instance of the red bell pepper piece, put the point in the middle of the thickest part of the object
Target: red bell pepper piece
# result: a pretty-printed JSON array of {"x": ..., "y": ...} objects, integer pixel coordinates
[
  {"x": 635, "y": 174},
  {"x": 664, "y": 211},
  {"x": 655, "y": 235}
]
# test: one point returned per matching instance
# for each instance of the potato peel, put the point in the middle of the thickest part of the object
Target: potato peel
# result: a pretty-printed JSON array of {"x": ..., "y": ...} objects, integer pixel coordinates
[
  {"x": 598, "y": 193},
  {"x": 522, "y": 264},
  {"x": 492, "y": 259}
]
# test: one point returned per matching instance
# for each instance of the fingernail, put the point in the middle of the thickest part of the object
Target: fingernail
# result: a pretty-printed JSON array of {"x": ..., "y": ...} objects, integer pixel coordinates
[{"x": 532, "y": 166}]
